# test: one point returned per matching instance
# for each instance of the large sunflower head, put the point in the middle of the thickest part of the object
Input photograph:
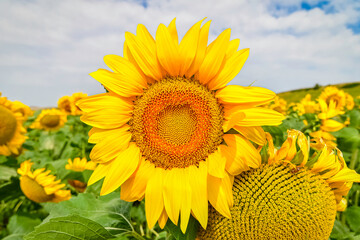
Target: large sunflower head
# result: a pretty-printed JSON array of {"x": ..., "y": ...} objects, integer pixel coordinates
[
  {"x": 11, "y": 128},
  {"x": 170, "y": 128},
  {"x": 50, "y": 119},
  {"x": 40, "y": 186},
  {"x": 288, "y": 197}
]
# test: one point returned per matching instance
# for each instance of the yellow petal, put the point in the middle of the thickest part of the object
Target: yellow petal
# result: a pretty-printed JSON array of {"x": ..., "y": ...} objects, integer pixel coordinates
[
  {"x": 230, "y": 69},
  {"x": 214, "y": 57},
  {"x": 216, "y": 164},
  {"x": 104, "y": 100},
  {"x": 188, "y": 47},
  {"x": 173, "y": 189},
  {"x": 121, "y": 169},
  {"x": 106, "y": 150},
  {"x": 173, "y": 31},
  {"x": 199, "y": 201},
  {"x": 246, "y": 96},
  {"x": 260, "y": 117},
  {"x": 106, "y": 118},
  {"x": 167, "y": 51},
  {"x": 186, "y": 198},
  {"x": 100, "y": 171},
  {"x": 134, "y": 188},
  {"x": 244, "y": 154},
  {"x": 144, "y": 52},
  {"x": 346, "y": 174},
  {"x": 127, "y": 83},
  {"x": 163, "y": 219},
  {"x": 233, "y": 120},
  {"x": 201, "y": 50},
  {"x": 232, "y": 48},
  {"x": 220, "y": 193},
  {"x": 154, "y": 201},
  {"x": 255, "y": 134},
  {"x": 330, "y": 125},
  {"x": 97, "y": 134}
]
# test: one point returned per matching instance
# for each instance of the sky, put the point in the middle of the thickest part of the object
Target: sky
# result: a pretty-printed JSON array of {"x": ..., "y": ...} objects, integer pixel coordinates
[{"x": 48, "y": 48}]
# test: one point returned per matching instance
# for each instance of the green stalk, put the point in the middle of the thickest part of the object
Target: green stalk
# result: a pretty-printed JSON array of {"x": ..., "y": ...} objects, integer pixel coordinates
[
  {"x": 357, "y": 196},
  {"x": 354, "y": 157}
]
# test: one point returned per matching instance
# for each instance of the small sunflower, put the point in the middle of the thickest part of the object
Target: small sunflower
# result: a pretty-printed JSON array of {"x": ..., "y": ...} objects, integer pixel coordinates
[
  {"x": 332, "y": 93},
  {"x": 68, "y": 103},
  {"x": 279, "y": 105},
  {"x": 306, "y": 105},
  {"x": 288, "y": 197},
  {"x": 349, "y": 101},
  {"x": 65, "y": 104},
  {"x": 162, "y": 129},
  {"x": 329, "y": 111},
  {"x": 22, "y": 108},
  {"x": 49, "y": 119},
  {"x": 40, "y": 186},
  {"x": 11, "y": 128},
  {"x": 80, "y": 165}
]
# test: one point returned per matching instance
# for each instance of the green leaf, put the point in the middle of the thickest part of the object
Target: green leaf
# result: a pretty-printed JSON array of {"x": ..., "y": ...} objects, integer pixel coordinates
[
  {"x": 353, "y": 218},
  {"x": 10, "y": 190},
  {"x": 354, "y": 118},
  {"x": 109, "y": 211},
  {"x": 69, "y": 228},
  {"x": 340, "y": 231},
  {"x": 7, "y": 172},
  {"x": 190, "y": 233},
  {"x": 18, "y": 226}
]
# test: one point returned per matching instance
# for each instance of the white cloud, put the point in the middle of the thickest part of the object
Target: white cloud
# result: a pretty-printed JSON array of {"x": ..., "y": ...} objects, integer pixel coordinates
[{"x": 47, "y": 48}]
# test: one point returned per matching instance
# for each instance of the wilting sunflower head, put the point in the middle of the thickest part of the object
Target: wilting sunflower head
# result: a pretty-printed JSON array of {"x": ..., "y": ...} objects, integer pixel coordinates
[
  {"x": 286, "y": 199},
  {"x": 11, "y": 128},
  {"x": 40, "y": 186},
  {"x": 334, "y": 94},
  {"x": 165, "y": 128},
  {"x": 50, "y": 119},
  {"x": 80, "y": 165}
]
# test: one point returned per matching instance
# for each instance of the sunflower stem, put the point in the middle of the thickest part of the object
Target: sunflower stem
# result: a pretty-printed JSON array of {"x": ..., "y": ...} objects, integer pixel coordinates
[
  {"x": 354, "y": 158},
  {"x": 357, "y": 196}
]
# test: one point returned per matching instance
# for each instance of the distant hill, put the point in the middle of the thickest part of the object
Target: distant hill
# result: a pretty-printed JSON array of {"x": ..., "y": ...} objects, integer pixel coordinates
[{"x": 298, "y": 94}]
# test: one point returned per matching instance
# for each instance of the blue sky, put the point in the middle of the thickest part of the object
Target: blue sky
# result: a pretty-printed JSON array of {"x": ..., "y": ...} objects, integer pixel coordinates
[{"x": 48, "y": 48}]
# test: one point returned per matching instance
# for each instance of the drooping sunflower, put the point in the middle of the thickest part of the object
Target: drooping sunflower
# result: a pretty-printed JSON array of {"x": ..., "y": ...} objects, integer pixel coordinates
[
  {"x": 288, "y": 197},
  {"x": 49, "y": 119},
  {"x": 80, "y": 165},
  {"x": 11, "y": 128},
  {"x": 40, "y": 186},
  {"x": 169, "y": 128}
]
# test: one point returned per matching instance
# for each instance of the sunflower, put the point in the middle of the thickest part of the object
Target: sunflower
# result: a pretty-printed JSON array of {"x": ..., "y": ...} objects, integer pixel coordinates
[
  {"x": 80, "y": 165},
  {"x": 65, "y": 104},
  {"x": 75, "y": 110},
  {"x": 329, "y": 111},
  {"x": 349, "y": 101},
  {"x": 11, "y": 128},
  {"x": 306, "y": 105},
  {"x": 332, "y": 93},
  {"x": 288, "y": 197},
  {"x": 49, "y": 119},
  {"x": 279, "y": 105},
  {"x": 22, "y": 108},
  {"x": 40, "y": 186},
  {"x": 169, "y": 128}
]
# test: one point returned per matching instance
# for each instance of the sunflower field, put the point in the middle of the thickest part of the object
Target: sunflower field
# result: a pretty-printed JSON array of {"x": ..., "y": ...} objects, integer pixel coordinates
[{"x": 171, "y": 151}]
